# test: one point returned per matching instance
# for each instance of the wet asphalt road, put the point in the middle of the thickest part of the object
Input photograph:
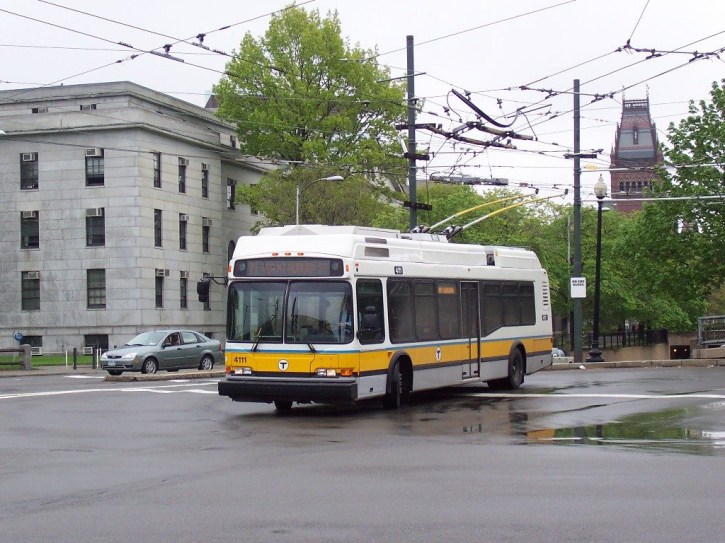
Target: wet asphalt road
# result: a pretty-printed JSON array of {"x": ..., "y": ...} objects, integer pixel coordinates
[{"x": 591, "y": 455}]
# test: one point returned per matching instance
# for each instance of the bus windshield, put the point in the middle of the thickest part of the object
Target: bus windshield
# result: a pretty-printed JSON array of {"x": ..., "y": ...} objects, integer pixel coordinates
[{"x": 290, "y": 312}]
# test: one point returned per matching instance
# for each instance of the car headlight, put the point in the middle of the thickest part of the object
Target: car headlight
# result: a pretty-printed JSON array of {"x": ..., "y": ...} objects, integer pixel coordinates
[{"x": 129, "y": 356}]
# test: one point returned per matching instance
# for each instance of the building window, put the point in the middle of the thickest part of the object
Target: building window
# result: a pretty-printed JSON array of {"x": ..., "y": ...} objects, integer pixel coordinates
[
  {"x": 35, "y": 342},
  {"x": 94, "y": 168},
  {"x": 28, "y": 171},
  {"x": 95, "y": 227},
  {"x": 96, "y": 341},
  {"x": 205, "y": 180},
  {"x": 183, "y": 293},
  {"x": 231, "y": 190},
  {"x": 30, "y": 290},
  {"x": 157, "y": 169},
  {"x": 29, "y": 230},
  {"x": 183, "y": 219},
  {"x": 230, "y": 249},
  {"x": 157, "y": 227},
  {"x": 96, "y": 288},
  {"x": 182, "y": 174},
  {"x": 159, "y": 291},
  {"x": 205, "y": 231},
  {"x": 88, "y": 107}
]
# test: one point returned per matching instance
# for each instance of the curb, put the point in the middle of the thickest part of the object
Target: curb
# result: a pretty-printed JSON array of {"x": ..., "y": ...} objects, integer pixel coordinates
[
  {"x": 688, "y": 363},
  {"x": 128, "y": 377}
]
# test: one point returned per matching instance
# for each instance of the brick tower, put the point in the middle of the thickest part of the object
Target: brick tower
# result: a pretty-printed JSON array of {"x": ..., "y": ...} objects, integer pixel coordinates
[{"x": 635, "y": 154}]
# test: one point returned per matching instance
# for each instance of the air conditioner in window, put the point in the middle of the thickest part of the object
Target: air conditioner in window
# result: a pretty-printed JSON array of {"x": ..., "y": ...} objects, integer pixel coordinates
[
  {"x": 29, "y": 157},
  {"x": 94, "y": 212},
  {"x": 160, "y": 272},
  {"x": 183, "y": 217},
  {"x": 183, "y": 161},
  {"x": 94, "y": 151},
  {"x": 206, "y": 222},
  {"x": 32, "y": 275},
  {"x": 184, "y": 274},
  {"x": 29, "y": 214}
]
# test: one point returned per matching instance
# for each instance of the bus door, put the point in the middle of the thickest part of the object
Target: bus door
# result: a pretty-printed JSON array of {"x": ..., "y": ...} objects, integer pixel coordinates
[{"x": 471, "y": 329}]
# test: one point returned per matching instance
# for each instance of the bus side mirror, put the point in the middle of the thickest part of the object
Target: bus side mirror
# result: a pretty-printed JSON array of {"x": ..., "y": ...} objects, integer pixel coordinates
[{"x": 202, "y": 290}]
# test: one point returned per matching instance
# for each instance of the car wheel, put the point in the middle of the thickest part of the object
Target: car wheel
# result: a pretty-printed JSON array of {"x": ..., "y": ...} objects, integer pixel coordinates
[
  {"x": 114, "y": 372},
  {"x": 207, "y": 363},
  {"x": 149, "y": 366},
  {"x": 283, "y": 405}
]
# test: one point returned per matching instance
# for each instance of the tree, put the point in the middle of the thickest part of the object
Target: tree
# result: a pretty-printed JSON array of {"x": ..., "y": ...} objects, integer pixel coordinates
[
  {"x": 677, "y": 248},
  {"x": 350, "y": 201},
  {"x": 303, "y": 95}
]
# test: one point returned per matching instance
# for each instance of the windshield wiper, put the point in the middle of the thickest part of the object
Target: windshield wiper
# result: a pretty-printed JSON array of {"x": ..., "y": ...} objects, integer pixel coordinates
[{"x": 312, "y": 349}]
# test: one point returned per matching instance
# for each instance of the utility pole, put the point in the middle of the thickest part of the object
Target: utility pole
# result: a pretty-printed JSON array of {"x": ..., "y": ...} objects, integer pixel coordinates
[
  {"x": 577, "y": 155},
  {"x": 412, "y": 169},
  {"x": 577, "y": 272}
]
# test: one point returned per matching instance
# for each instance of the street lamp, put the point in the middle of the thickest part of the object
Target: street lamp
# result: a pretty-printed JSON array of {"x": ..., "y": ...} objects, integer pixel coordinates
[
  {"x": 600, "y": 191},
  {"x": 298, "y": 192}
]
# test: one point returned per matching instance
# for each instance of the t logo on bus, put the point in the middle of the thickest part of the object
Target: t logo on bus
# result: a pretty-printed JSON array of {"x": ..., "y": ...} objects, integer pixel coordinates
[{"x": 283, "y": 365}]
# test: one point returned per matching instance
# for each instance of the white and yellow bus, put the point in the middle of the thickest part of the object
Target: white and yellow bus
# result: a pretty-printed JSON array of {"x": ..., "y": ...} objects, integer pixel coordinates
[{"x": 337, "y": 314}]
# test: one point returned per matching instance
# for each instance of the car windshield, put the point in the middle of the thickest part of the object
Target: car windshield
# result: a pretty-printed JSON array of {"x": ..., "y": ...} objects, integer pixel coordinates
[{"x": 147, "y": 338}]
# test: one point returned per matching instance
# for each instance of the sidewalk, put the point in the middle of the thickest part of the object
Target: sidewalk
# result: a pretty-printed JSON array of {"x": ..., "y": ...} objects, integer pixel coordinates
[{"x": 88, "y": 370}]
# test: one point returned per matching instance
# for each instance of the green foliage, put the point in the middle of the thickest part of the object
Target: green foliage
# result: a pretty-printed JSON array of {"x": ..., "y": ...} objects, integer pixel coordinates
[
  {"x": 353, "y": 200},
  {"x": 302, "y": 94}
]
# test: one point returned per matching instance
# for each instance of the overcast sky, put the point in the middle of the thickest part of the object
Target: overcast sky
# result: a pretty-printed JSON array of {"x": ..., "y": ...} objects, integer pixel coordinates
[{"x": 488, "y": 47}]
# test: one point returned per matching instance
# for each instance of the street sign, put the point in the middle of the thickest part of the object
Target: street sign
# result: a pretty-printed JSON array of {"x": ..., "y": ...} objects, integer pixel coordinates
[
  {"x": 578, "y": 287},
  {"x": 18, "y": 337}
]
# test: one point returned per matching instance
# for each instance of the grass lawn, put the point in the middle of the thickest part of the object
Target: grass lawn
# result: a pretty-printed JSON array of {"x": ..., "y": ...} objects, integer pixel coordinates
[{"x": 10, "y": 362}]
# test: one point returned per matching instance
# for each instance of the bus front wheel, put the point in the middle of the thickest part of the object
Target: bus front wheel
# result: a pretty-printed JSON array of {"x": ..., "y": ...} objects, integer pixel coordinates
[{"x": 391, "y": 400}]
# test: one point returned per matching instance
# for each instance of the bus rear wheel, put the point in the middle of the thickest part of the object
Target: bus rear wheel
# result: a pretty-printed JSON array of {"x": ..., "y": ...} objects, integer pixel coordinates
[{"x": 515, "y": 374}]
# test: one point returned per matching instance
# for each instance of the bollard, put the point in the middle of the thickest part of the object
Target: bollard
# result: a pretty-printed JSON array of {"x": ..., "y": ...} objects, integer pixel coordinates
[
  {"x": 75, "y": 358},
  {"x": 26, "y": 356},
  {"x": 95, "y": 363}
]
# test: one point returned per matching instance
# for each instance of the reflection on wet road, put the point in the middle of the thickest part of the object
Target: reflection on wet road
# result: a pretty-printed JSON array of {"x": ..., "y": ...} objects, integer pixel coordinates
[{"x": 677, "y": 411}]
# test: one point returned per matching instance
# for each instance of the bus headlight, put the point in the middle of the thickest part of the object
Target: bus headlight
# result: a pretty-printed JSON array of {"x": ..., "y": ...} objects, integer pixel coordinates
[{"x": 245, "y": 370}]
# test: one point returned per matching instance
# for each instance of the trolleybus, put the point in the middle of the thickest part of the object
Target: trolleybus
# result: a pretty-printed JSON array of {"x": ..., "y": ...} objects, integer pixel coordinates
[{"x": 339, "y": 314}]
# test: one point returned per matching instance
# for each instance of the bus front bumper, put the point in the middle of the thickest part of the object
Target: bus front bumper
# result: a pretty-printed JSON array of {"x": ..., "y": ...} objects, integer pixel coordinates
[{"x": 269, "y": 389}]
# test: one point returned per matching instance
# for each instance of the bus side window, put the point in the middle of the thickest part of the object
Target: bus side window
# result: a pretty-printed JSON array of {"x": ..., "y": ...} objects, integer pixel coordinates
[
  {"x": 400, "y": 310},
  {"x": 371, "y": 328}
]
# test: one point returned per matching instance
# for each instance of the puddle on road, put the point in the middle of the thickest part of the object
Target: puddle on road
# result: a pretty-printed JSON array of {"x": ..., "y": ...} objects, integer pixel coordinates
[{"x": 659, "y": 431}]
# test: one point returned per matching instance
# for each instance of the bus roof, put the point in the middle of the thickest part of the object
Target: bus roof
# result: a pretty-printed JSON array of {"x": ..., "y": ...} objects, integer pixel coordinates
[{"x": 379, "y": 244}]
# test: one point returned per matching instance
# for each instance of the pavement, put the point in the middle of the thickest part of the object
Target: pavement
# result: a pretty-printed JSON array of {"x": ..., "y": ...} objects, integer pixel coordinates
[{"x": 566, "y": 364}]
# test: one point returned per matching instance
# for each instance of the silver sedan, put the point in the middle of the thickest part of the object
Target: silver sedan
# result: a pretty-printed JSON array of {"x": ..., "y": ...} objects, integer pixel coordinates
[{"x": 169, "y": 350}]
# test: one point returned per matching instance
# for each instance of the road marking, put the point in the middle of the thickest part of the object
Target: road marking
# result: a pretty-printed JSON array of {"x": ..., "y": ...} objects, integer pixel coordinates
[
  {"x": 161, "y": 389},
  {"x": 194, "y": 387},
  {"x": 609, "y": 396}
]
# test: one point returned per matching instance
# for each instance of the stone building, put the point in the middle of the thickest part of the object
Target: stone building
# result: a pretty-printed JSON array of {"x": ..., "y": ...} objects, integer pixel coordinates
[{"x": 116, "y": 200}]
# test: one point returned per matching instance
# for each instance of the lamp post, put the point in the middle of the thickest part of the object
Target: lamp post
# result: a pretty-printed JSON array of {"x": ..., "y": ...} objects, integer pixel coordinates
[
  {"x": 600, "y": 191},
  {"x": 298, "y": 192}
]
